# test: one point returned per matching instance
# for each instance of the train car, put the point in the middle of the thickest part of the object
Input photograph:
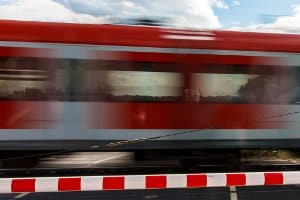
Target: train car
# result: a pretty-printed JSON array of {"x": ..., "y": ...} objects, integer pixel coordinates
[{"x": 85, "y": 86}]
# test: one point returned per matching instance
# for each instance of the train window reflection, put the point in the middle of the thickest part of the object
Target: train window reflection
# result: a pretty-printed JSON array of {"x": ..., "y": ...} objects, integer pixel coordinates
[
  {"x": 134, "y": 85},
  {"x": 242, "y": 88},
  {"x": 23, "y": 79}
]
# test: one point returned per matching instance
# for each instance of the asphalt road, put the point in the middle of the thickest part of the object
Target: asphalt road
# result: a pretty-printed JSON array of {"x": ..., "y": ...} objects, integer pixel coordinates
[
  {"x": 207, "y": 194},
  {"x": 245, "y": 193}
]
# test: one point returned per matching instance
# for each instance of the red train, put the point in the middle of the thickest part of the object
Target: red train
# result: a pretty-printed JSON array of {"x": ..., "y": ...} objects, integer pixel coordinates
[{"x": 75, "y": 86}]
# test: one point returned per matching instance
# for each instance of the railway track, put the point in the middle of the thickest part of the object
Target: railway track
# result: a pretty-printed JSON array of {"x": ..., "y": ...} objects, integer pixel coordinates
[{"x": 16, "y": 164}]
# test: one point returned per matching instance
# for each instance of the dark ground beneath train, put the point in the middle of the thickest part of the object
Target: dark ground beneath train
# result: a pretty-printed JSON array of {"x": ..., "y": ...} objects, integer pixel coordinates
[
  {"x": 84, "y": 145},
  {"x": 79, "y": 163}
]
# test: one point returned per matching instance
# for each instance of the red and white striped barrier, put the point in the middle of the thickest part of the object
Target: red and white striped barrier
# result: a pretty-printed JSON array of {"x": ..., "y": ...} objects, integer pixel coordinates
[{"x": 128, "y": 182}]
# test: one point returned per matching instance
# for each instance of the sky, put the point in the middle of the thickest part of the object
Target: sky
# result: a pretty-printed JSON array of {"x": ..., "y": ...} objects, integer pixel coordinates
[{"x": 244, "y": 15}]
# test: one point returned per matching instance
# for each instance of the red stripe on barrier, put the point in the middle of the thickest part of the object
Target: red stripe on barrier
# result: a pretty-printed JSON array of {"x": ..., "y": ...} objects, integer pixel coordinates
[
  {"x": 199, "y": 180},
  {"x": 156, "y": 182},
  {"x": 273, "y": 178},
  {"x": 69, "y": 184},
  {"x": 235, "y": 179},
  {"x": 23, "y": 185},
  {"x": 113, "y": 183}
]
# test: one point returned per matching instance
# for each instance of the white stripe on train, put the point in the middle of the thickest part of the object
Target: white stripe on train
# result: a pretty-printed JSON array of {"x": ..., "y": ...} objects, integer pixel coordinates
[{"x": 114, "y": 48}]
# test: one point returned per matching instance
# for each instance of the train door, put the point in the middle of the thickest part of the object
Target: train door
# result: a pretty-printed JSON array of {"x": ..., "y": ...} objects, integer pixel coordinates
[{"x": 234, "y": 91}]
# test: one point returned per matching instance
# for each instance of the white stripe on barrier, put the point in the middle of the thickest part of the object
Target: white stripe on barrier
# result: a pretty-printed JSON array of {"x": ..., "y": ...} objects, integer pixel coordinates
[
  {"x": 91, "y": 183},
  {"x": 216, "y": 180},
  {"x": 291, "y": 178},
  {"x": 5, "y": 185},
  {"x": 135, "y": 182},
  {"x": 176, "y": 181},
  {"x": 46, "y": 184},
  {"x": 255, "y": 179}
]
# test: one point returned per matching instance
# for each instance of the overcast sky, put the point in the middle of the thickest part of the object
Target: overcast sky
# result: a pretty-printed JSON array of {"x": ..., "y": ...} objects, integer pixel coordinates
[{"x": 253, "y": 15}]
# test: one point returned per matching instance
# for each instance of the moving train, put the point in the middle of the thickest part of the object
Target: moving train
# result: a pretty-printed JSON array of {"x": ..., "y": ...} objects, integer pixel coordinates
[{"x": 85, "y": 86}]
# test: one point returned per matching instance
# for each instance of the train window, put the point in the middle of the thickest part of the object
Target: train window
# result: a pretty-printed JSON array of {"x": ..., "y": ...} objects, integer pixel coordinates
[
  {"x": 24, "y": 79},
  {"x": 219, "y": 87},
  {"x": 252, "y": 87},
  {"x": 127, "y": 85}
]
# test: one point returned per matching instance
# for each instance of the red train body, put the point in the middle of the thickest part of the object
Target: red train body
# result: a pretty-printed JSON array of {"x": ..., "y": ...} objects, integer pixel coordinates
[{"x": 84, "y": 85}]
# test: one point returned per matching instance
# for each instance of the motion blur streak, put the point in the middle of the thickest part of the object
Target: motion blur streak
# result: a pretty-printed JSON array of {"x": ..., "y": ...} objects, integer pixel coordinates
[
  {"x": 73, "y": 83},
  {"x": 87, "y": 159}
]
